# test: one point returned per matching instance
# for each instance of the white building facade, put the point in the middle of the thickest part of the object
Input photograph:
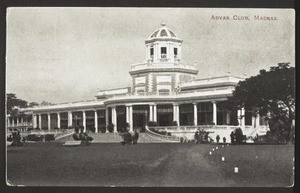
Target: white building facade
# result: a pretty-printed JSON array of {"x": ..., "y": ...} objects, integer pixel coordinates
[{"x": 163, "y": 90}]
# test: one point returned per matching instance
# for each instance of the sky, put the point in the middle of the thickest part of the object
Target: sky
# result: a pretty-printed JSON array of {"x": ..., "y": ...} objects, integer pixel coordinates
[{"x": 67, "y": 54}]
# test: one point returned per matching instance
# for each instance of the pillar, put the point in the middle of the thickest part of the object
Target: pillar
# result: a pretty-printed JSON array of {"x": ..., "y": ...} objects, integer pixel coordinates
[
  {"x": 7, "y": 122},
  {"x": 243, "y": 117},
  {"x": 127, "y": 114},
  {"x": 195, "y": 114},
  {"x": 34, "y": 121},
  {"x": 84, "y": 121},
  {"x": 228, "y": 117},
  {"x": 176, "y": 113},
  {"x": 257, "y": 120},
  {"x": 151, "y": 113},
  {"x": 58, "y": 120},
  {"x": 40, "y": 121},
  {"x": 155, "y": 113},
  {"x": 130, "y": 118},
  {"x": 17, "y": 121},
  {"x": 70, "y": 119},
  {"x": 49, "y": 121},
  {"x": 114, "y": 118},
  {"x": 96, "y": 121},
  {"x": 214, "y": 112},
  {"x": 106, "y": 116},
  {"x": 22, "y": 121},
  {"x": 13, "y": 122}
]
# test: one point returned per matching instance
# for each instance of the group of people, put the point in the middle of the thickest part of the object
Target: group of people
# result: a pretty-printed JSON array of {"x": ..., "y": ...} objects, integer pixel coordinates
[
  {"x": 83, "y": 137},
  {"x": 130, "y": 137}
]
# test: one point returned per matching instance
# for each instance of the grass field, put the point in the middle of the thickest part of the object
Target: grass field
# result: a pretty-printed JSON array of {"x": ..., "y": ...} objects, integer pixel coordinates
[{"x": 47, "y": 164}]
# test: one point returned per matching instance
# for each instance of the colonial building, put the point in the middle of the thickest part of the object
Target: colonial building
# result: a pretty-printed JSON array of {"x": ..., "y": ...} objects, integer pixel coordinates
[{"x": 163, "y": 89}]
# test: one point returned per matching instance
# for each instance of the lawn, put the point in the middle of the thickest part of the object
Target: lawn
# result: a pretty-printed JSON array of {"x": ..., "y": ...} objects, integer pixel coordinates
[{"x": 47, "y": 164}]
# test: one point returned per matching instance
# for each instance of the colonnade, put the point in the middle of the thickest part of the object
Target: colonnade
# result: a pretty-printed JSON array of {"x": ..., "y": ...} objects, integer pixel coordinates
[{"x": 111, "y": 116}]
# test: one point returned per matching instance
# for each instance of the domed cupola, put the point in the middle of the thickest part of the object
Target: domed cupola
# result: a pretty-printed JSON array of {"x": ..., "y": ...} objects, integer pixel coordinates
[
  {"x": 163, "y": 33},
  {"x": 163, "y": 45}
]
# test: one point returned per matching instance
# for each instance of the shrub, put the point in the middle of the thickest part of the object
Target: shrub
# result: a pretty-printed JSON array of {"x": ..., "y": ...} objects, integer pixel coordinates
[
  {"x": 76, "y": 129},
  {"x": 174, "y": 123},
  {"x": 181, "y": 139},
  {"x": 56, "y": 128},
  {"x": 237, "y": 136},
  {"x": 45, "y": 128},
  {"x": 152, "y": 123},
  {"x": 110, "y": 127},
  {"x": 49, "y": 137},
  {"x": 102, "y": 129}
]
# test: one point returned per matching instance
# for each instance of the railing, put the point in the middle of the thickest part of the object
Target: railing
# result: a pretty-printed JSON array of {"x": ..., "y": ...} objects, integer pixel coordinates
[
  {"x": 172, "y": 94},
  {"x": 163, "y": 137},
  {"x": 194, "y": 128},
  {"x": 162, "y": 63}
]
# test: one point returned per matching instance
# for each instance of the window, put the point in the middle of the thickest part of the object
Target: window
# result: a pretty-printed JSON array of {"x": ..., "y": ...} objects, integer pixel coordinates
[
  {"x": 151, "y": 51},
  {"x": 175, "y": 51},
  {"x": 163, "y": 52}
]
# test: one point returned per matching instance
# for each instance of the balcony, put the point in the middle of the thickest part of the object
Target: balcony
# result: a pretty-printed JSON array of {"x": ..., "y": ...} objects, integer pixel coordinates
[
  {"x": 168, "y": 95},
  {"x": 162, "y": 63}
]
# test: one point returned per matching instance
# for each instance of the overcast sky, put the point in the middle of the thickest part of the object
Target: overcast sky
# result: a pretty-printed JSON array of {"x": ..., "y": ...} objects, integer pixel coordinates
[{"x": 66, "y": 54}]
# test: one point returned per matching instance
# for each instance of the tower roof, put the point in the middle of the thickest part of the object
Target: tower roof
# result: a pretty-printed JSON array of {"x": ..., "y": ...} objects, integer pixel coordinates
[{"x": 163, "y": 33}]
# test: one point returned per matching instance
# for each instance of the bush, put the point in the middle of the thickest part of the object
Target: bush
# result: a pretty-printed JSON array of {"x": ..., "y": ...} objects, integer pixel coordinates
[
  {"x": 33, "y": 137},
  {"x": 56, "y": 128},
  {"x": 181, "y": 139},
  {"x": 49, "y": 137},
  {"x": 174, "y": 123},
  {"x": 110, "y": 127},
  {"x": 152, "y": 123},
  {"x": 102, "y": 129},
  {"x": 45, "y": 128}
]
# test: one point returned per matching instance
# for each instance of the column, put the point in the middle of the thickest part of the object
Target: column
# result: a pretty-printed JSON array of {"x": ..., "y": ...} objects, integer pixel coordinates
[
  {"x": 239, "y": 116},
  {"x": 127, "y": 114},
  {"x": 114, "y": 118},
  {"x": 96, "y": 121},
  {"x": 40, "y": 121},
  {"x": 151, "y": 113},
  {"x": 214, "y": 112},
  {"x": 195, "y": 114},
  {"x": 70, "y": 119},
  {"x": 17, "y": 121},
  {"x": 84, "y": 121},
  {"x": 176, "y": 113},
  {"x": 13, "y": 122},
  {"x": 257, "y": 121},
  {"x": 155, "y": 113},
  {"x": 49, "y": 121},
  {"x": 106, "y": 116},
  {"x": 22, "y": 121},
  {"x": 34, "y": 120},
  {"x": 243, "y": 117},
  {"x": 58, "y": 120},
  {"x": 228, "y": 117},
  {"x": 130, "y": 118},
  {"x": 7, "y": 122}
]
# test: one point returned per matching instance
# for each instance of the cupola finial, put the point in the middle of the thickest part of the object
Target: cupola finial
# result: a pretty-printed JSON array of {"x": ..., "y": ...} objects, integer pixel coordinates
[{"x": 163, "y": 24}]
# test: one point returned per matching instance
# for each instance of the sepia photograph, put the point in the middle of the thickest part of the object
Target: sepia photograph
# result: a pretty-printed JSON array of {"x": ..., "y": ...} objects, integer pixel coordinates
[{"x": 150, "y": 97}]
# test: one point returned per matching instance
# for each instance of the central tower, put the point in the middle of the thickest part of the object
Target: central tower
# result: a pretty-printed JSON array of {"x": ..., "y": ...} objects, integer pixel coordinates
[{"x": 162, "y": 70}]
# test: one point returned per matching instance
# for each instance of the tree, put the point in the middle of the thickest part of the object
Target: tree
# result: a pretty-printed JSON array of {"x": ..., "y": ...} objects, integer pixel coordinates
[
  {"x": 271, "y": 94},
  {"x": 12, "y": 102},
  {"x": 33, "y": 104}
]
